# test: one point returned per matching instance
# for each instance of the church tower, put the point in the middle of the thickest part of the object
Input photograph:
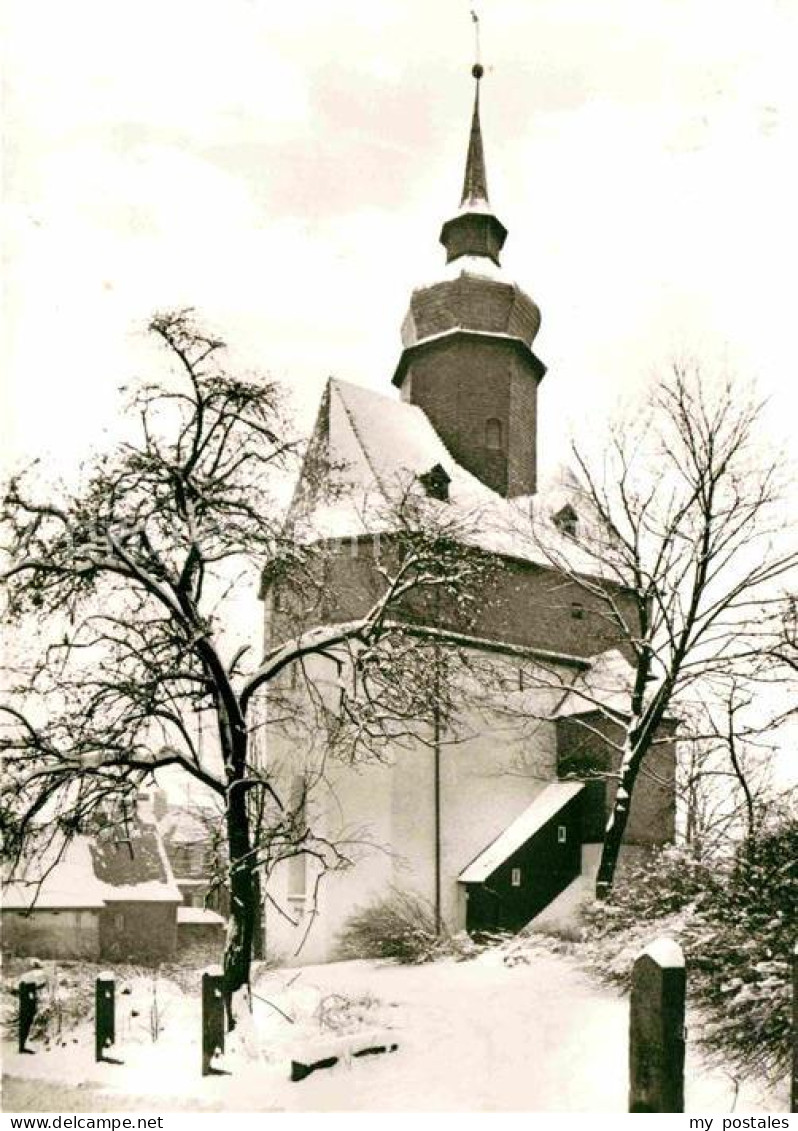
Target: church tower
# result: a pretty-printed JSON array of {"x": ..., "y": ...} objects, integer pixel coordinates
[{"x": 467, "y": 356}]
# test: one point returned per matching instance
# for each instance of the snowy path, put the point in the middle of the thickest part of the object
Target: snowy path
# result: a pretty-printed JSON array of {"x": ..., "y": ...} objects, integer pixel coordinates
[
  {"x": 482, "y": 1036},
  {"x": 473, "y": 1036}
]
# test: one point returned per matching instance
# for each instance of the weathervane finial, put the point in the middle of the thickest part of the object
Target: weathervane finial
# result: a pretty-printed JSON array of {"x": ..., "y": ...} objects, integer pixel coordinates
[{"x": 477, "y": 70}]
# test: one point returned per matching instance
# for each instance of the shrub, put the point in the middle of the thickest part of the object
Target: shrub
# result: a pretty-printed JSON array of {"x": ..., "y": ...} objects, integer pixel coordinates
[
  {"x": 662, "y": 884},
  {"x": 401, "y": 925},
  {"x": 740, "y": 947},
  {"x": 737, "y": 925}
]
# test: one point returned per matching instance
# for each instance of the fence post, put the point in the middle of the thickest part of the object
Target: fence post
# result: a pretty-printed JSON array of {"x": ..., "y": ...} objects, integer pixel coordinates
[
  {"x": 212, "y": 1018},
  {"x": 656, "y": 1029},
  {"x": 104, "y": 1014},
  {"x": 28, "y": 1001},
  {"x": 794, "y": 1095}
]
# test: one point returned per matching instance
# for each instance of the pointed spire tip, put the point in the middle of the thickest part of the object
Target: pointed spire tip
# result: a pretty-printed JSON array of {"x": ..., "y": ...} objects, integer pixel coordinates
[{"x": 475, "y": 184}]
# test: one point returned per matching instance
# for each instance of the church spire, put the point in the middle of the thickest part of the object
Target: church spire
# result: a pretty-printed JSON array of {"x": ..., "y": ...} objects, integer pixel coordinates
[
  {"x": 467, "y": 359},
  {"x": 474, "y": 231},
  {"x": 475, "y": 183}
]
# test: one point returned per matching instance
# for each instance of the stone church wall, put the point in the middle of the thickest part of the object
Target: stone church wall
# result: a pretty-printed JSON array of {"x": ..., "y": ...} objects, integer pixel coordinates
[
  {"x": 581, "y": 750},
  {"x": 525, "y": 605}
]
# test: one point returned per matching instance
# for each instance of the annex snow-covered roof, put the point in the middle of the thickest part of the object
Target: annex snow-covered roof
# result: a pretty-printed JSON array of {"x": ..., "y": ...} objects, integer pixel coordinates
[
  {"x": 605, "y": 686},
  {"x": 545, "y": 806},
  {"x": 376, "y": 446}
]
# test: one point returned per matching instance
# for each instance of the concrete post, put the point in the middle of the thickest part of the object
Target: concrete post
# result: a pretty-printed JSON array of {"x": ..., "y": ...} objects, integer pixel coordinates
[
  {"x": 656, "y": 1029},
  {"x": 212, "y": 1018},
  {"x": 104, "y": 1014},
  {"x": 28, "y": 1002}
]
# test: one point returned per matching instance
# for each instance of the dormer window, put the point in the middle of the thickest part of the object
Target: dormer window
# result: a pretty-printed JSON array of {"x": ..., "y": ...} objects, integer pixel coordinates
[
  {"x": 493, "y": 434},
  {"x": 567, "y": 521},
  {"x": 436, "y": 483}
]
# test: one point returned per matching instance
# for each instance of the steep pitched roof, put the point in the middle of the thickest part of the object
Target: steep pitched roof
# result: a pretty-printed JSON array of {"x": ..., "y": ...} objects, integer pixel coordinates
[
  {"x": 375, "y": 446},
  {"x": 545, "y": 806},
  {"x": 475, "y": 181},
  {"x": 183, "y": 825},
  {"x": 135, "y": 869}
]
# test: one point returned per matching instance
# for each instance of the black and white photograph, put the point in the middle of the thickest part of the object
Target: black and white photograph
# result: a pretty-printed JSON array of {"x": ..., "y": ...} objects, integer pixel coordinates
[{"x": 398, "y": 559}]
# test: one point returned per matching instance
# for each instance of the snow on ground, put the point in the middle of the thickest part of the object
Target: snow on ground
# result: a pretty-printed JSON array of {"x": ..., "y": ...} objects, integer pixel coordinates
[{"x": 516, "y": 1029}]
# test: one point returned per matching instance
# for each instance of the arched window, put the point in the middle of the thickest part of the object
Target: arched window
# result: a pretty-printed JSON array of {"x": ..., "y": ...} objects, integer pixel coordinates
[{"x": 493, "y": 434}]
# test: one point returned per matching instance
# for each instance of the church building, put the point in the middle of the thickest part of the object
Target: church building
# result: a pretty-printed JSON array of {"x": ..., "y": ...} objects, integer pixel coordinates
[{"x": 496, "y": 818}]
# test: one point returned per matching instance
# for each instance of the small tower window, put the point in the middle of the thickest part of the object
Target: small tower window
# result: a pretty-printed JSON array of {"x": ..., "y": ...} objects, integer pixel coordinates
[
  {"x": 515, "y": 877},
  {"x": 567, "y": 521},
  {"x": 493, "y": 434},
  {"x": 562, "y": 834},
  {"x": 436, "y": 483}
]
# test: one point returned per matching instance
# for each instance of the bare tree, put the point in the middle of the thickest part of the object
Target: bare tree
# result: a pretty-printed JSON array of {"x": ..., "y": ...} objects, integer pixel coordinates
[
  {"x": 129, "y": 582},
  {"x": 677, "y": 545},
  {"x": 725, "y": 779}
]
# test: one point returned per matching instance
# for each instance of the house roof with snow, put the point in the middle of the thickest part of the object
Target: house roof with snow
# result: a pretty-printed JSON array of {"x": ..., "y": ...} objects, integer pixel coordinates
[
  {"x": 545, "y": 806},
  {"x": 135, "y": 866},
  {"x": 53, "y": 884},
  {"x": 88, "y": 873}
]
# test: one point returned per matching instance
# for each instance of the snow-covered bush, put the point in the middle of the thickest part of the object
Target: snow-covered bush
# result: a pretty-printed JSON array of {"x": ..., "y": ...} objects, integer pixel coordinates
[
  {"x": 401, "y": 925},
  {"x": 662, "y": 883},
  {"x": 737, "y": 924},
  {"x": 739, "y": 946}
]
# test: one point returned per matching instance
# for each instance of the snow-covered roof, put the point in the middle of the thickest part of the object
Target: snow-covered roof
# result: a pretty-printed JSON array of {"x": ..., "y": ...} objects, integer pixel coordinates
[
  {"x": 605, "y": 685},
  {"x": 86, "y": 874},
  {"x": 137, "y": 869},
  {"x": 198, "y": 915},
  {"x": 545, "y": 806},
  {"x": 665, "y": 952},
  {"x": 57, "y": 884},
  {"x": 376, "y": 446}
]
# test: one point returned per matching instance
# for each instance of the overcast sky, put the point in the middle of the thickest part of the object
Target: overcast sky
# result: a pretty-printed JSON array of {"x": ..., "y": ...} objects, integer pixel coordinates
[{"x": 285, "y": 168}]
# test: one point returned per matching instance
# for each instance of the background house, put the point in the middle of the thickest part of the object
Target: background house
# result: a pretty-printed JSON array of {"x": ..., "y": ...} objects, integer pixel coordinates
[
  {"x": 194, "y": 838},
  {"x": 111, "y": 897}
]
